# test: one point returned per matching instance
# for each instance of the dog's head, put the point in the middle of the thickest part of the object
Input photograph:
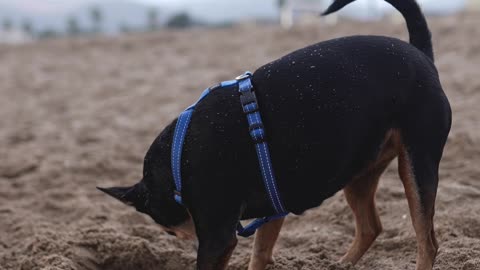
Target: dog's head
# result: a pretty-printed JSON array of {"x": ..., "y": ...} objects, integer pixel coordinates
[{"x": 154, "y": 194}]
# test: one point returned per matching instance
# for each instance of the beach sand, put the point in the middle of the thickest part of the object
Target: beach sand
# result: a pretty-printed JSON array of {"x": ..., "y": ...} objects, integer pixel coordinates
[{"x": 77, "y": 113}]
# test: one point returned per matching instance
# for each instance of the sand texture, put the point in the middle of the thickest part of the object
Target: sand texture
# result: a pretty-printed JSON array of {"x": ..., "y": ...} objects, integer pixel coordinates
[{"x": 79, "y": 113}]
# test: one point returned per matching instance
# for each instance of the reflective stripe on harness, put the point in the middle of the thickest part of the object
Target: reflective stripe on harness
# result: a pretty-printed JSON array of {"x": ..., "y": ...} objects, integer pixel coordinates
[{"x": 250, "y": 107}]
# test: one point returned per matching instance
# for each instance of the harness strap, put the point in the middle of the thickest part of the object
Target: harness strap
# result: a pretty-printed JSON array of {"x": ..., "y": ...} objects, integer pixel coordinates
[
  {"x": 252, "y": 227},
  {"x": 181, "y": 127},
  {"x": 250, "y": 107},
  {"x": 177, "y": 146},
  {"x": 249, "y": 103}
]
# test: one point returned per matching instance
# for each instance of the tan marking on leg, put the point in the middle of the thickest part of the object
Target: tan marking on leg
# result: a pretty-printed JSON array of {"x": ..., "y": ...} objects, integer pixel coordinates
[
  {"x": 184, "y": 231},
  {"x": 265, "y": 239},
  {"x": 367, "y": 221},
  {"x": 422, "y": 217},
  {"x": 360, "y": 195}
]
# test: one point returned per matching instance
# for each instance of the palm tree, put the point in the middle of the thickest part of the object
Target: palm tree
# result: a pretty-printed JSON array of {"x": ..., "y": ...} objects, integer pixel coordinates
[
  {"x": 124, "y": 28},
  {"x": 47, "y": 33},
  {"x": 96, "y": 16},
  {"x": 73, "y": 29},
  {"x": 7, "y": 25},
  {"x": 27, "y": 27},
  {"x": 152, "y": 19},
  {"x": 180, "y": 20}
]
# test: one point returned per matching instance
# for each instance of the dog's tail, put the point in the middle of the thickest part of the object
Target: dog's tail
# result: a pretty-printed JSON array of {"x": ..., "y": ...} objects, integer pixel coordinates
[{"x": 420, "y": 35}]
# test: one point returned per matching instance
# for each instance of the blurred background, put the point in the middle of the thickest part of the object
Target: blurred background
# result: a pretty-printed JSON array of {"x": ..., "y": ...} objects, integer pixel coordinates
[
  {"x": 26, "y": 20},
  {"x": 86, "y": 86}
]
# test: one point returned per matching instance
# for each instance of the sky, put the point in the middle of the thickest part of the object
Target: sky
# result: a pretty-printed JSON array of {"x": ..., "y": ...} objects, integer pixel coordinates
[
  {"x": 216, "y": 10},
  {"x": 173, "y": 2},
  {"x": 222, "y": 10},
  {"x": 167, "y": 1}
]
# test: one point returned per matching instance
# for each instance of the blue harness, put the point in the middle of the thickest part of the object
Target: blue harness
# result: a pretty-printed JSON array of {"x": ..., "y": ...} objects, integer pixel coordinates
[{"x": 249, "y": 104}]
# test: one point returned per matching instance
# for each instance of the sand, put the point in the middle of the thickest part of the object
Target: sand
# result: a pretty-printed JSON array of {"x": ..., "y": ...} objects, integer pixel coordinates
[{"x": 79, "y": 113}]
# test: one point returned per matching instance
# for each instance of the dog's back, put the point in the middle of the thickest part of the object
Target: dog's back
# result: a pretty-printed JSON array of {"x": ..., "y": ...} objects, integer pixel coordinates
[
  {"x": 327, "y": 110},
  {"x": 328, "y": 113}
]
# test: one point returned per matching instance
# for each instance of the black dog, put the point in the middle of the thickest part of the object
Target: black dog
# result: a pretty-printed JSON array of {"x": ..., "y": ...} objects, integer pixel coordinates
[{"x": 336, "y": 114}]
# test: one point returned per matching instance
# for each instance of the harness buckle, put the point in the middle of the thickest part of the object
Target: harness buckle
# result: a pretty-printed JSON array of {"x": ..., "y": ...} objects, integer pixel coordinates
[
  {"x": 244, "y": 76},
  {"x": 255, "y": 126},
  {"x": 247, "y": 98},
  {"x": 178, "y": 197}
]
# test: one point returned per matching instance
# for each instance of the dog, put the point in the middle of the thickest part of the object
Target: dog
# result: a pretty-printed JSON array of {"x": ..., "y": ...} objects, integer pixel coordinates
[{"x": 336, "y": 114}]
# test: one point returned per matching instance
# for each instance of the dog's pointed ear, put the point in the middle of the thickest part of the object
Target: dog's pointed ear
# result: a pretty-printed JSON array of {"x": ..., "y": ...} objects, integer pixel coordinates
[
  {"x": 134, "y": 196},
  {"x": 127, "y": 195}
]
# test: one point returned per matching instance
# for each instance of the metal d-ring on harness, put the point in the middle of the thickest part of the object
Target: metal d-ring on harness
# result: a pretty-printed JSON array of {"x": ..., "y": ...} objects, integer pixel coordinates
[{"x": 249, "y": 104}]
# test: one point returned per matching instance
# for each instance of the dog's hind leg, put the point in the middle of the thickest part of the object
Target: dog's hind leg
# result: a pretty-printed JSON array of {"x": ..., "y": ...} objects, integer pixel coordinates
[
  {"x": 360, "y": 195},
  {"x": 424, "y": 131},
  {"x": 420, "y": 179},
  {"x": 265, "y": 239}
]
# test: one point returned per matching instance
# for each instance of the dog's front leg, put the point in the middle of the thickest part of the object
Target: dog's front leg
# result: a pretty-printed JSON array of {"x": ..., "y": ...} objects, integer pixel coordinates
[
  {"x": 265, "y": 239},
  {"x": 217, "y": 239},
  {"x": 214, "y": 252}
]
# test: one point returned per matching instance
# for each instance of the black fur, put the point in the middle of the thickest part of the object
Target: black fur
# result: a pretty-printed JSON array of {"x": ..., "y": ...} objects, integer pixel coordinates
[{"x": 326, "y": 109}]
